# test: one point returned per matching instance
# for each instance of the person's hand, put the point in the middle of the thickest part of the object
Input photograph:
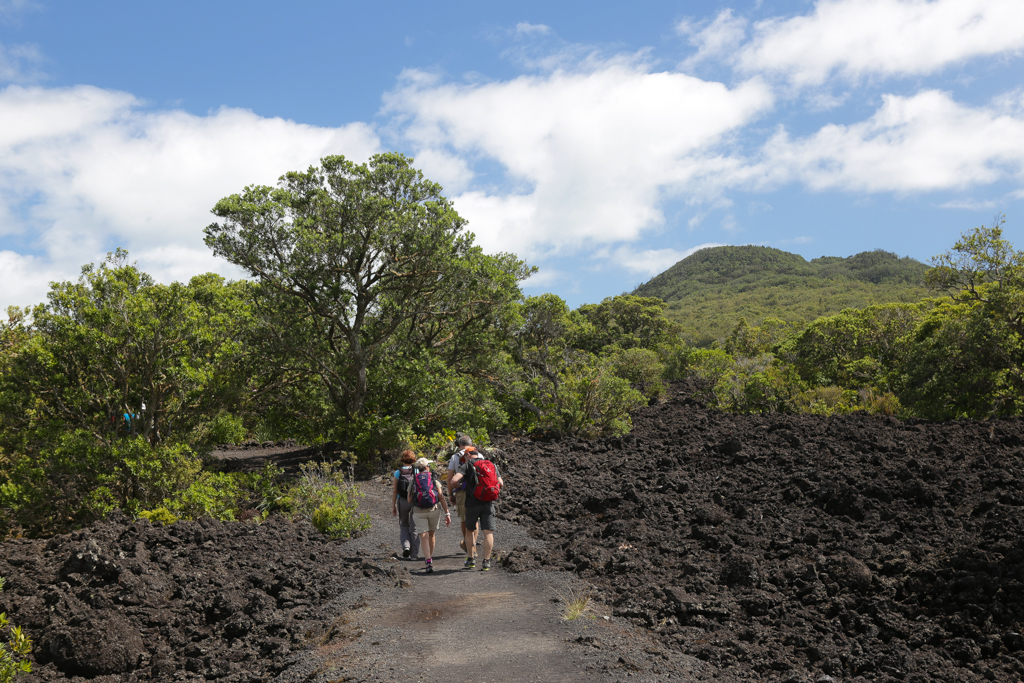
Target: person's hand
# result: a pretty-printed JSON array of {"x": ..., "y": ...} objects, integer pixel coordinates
[
  {"x": 447, "y": 519},
  {"x": 394, "y": 510}
]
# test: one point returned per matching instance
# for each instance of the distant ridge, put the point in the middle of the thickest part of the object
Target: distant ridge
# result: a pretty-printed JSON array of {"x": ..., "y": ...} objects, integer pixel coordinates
[{"x": 710, "y": 290}]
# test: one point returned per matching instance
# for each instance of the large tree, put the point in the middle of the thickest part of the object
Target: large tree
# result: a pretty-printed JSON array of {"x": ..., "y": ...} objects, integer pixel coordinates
[{"x": 362, "y": 265}]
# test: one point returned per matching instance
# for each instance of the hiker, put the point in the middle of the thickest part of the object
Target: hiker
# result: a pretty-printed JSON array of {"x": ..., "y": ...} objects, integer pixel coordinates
[
  {"x": 424, "y": 495},
  {"x": 458, "y": 494},
  {"x": 483, "y": 484},
  {"x": 402, "y": 508}
]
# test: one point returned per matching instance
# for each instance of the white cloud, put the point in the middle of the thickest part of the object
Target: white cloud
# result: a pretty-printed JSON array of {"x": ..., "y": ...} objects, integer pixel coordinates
[
  {"x": 20, "y": 63},
  {"x": 650, "y": 262},
  {"x": 717, "y": 39},
  {"x": 586, "y": 156},
  {"x": 969, "y": 204},
  {"x": 11, "y": 10},
  {"x": 920, "y": 143},
  {"x": 84, "y": 169},
  {"x": 525, "y": 28},
  {"x": 863, "y": 38},
  {"x": 24, "y": 279}
]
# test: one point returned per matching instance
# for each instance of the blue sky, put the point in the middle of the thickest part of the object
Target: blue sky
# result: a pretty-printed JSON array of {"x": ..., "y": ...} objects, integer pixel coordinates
[{"x": 600, "y": 141}]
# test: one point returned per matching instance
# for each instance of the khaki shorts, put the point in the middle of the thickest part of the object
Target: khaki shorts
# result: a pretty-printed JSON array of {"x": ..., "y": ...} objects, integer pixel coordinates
[
  {"x": 426, "y": 519},
  {"x": 460, "y": 504}
]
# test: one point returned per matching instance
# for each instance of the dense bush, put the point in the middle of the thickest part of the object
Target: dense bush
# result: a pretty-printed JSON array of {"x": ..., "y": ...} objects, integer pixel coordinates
[
  {"x": 327, "y": 498},
  {"x": 643, "y": 369},
  {"x": 12, "y": 655},
  {"x": 227, "y": 496},
  {"x": 78, "y": 479}
]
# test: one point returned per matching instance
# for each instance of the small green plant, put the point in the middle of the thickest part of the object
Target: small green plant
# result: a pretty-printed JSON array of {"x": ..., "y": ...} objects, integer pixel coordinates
[
  {"x": 576, "y": 602},
  {"x": 826, "y": 401},
  {"x": 161, "y": 514},
  {"x": 12, "y": 655},
  {"x": 339, "y": 521},
  {"x": 212, "y": 494},
  {"x": 328, "y": 500}
]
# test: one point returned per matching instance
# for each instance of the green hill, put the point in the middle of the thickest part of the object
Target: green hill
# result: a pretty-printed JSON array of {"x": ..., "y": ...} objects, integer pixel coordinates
[{"x": 710, "y": 290}]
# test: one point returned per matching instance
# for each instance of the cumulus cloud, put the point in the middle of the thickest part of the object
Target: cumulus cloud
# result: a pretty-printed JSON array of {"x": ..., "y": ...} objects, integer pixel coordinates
[
  {"x": 587, "y": 156},
  {"x": 856, "y": 39},
  {"x": 919, "y": 143},
  {"x": 84, "y": 169}
]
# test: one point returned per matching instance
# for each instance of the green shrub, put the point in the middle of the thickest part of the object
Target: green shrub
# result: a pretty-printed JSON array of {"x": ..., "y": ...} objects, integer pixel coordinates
[
  {"x": 161, "y": 515},
  {"x": 212, "y": 494},
  {"x": 706, "y": 367},
  {"x": 757, "y": 385},
  {"x": 643, "y": 369},
  {"x": 826, "y": 401},
  {"x": 339, "y": 520},
  {"x": 880, "y": 402},
  {"x": 223, "y": 428},
  {"x": 12, "y": 655},
  {"x": 77, "y": 479},
  {"x": 264, "y": 488},
  {"x": 594, "y": 403},
  {"x": 323, "y": 495}
]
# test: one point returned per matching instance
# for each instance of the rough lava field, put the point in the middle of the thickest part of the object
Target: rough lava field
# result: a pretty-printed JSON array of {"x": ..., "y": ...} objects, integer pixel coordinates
[
  {"x": 794, "y": 547},
  {"x": 778, "y": 548}
]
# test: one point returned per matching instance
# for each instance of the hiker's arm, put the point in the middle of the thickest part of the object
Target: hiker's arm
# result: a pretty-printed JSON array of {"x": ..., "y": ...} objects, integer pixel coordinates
[
  {"x": 455, "y": 480},
  {"x": 444, "y": 501},
  {"x": 394, "y": 499}
]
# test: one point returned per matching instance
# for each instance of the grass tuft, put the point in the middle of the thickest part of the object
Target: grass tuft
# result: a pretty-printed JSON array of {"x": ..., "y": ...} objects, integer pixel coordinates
[{"x": 576, "y": 601}]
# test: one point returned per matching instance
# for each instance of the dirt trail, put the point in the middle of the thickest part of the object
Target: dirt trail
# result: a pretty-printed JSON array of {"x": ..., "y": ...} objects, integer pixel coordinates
[{"x": 463, "y": 624}]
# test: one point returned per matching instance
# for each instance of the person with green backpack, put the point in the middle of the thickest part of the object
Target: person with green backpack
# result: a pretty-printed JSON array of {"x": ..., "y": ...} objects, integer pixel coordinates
[
  {"x": 402, "y": 508},
  {"x": 425, "y": 495}
]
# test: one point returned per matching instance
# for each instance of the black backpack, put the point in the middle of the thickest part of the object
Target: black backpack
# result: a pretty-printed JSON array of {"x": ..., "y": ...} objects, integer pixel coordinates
[{"x": 405, "y": 481}]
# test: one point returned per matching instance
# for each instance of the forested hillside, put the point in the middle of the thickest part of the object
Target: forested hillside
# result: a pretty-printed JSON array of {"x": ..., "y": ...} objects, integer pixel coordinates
[{"x": 709, "y": 291}]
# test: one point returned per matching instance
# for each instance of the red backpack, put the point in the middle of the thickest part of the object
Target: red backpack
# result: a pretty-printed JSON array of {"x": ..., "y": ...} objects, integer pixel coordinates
[{"x": 487, "y": 486}]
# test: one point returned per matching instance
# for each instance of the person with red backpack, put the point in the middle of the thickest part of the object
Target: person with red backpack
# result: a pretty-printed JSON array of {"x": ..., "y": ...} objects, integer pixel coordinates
[
  {"x": 425, "y": 495},
  {"x": 483, "y": 486},
  {"x": 402, "y": 508}
]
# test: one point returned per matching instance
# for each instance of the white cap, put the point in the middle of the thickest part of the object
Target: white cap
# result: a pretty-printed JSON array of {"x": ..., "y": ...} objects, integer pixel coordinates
[{"x": 423, "y": 462}]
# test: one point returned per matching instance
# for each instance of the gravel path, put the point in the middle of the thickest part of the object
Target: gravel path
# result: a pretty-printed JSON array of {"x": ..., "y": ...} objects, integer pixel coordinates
[{"x": 460, "y": 624}]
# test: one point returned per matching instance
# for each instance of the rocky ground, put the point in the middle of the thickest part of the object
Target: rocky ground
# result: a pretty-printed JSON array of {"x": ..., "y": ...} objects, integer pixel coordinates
[
  {"x": 793, "y": 548},
  {"x": 780, "y": 548}
]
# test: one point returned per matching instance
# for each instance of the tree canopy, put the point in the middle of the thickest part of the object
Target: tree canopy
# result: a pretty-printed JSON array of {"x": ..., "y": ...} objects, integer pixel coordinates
[{"x": 357, "y": 264}]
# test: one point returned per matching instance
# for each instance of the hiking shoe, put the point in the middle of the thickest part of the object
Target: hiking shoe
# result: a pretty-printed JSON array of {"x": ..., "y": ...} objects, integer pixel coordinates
[
  {"x": 406, "y": 553},
  {"x": 486, "y": 566},
  {"x": 462, "y": 544},
  {"x": 429, "y": 569},
  {"x": 470, "y": 563}
]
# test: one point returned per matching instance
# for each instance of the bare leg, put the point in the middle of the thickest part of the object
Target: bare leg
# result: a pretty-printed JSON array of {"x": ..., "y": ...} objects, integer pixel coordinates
[
  {"x": 488, "y": 543},
  {"x": 430, "y": 545},
  {"x": 470, "y": 536},
  {"x": 426, "y": 548}
]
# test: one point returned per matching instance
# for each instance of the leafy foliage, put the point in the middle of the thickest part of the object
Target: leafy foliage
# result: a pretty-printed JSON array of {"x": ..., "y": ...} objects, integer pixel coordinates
[
  {"x": 12, "y": 655},
  {"x": 324, "y": 496},
  {"x": 369, "y": 288}
]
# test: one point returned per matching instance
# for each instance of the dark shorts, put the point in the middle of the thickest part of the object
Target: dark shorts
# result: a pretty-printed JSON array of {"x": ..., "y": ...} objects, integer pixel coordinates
[{"x": 480, "y": 513}]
